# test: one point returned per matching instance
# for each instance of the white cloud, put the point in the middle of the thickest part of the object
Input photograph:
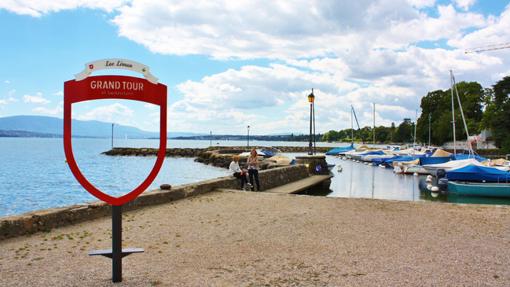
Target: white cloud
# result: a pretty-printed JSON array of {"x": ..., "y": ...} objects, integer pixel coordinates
[
  {"x": 10, "y": 96},
  {"x": 56, "y": 111},
  {"x": 422, "y": 3},
  {"x": 496, "y": 32},
  {"x": 36, "y": 8},
  {"x": 449, "y": 24},
  {"x": 464, "y": 4},
  {"x": 117, "y": 113},
  {"x": 59, "y": 93},
  {"x": 355, "y": 52},
  {"x": 7, "y": 82},
  {"x": 303, "y": 29},
  {"x": 36, "y": 99}
]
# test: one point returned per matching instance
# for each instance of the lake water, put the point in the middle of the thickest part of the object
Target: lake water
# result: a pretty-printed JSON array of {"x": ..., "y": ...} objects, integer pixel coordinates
[{"x": 34, "y": 174}]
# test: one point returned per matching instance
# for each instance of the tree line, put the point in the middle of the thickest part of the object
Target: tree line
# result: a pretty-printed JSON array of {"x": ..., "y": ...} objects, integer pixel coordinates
[{"x": 484, "y": 109}]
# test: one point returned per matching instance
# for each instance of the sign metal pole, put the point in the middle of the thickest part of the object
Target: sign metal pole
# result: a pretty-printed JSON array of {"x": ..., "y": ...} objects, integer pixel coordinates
[{"x": 117, "y": 243}]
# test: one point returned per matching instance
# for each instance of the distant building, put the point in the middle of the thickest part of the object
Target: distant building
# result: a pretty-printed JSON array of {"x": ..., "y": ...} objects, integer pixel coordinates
[{"x": 481, "y": 141}]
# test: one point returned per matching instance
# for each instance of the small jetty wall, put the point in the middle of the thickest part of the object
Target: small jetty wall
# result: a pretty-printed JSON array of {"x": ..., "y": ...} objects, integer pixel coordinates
[
  {"x": 195, "y": 152},
  {"x": 45, "y": 220},
  {"x": 201, "y": 153}
]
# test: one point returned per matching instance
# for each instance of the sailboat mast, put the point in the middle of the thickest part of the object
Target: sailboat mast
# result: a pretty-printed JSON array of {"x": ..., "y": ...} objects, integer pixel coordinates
[
  {"x": 430, "y": 116},
  {"x": 453, "y": 113},
  {"x": 352, "y": 127},
  {"x": 373, "y": 131},
  {"x": 463, "y": 118},
  {"x": 415, "y": 124}
]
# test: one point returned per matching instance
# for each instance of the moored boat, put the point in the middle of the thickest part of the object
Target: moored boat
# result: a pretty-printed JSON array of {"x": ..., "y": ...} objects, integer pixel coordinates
[
  {"x": 454, "y": 164},
  {"x": 478, "y": 173},
  {"x": 439, "y": 156},
  {"x": 479, "y": 189},
  {"x": 340, "y": 150}
]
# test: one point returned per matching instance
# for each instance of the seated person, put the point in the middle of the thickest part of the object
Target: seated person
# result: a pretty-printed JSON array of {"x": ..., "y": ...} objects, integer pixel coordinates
[{"x": 238, "y": 172}]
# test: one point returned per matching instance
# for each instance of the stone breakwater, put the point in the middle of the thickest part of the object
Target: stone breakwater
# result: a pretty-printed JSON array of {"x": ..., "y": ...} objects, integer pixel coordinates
[
  {"x": 216, "y": 156},
  {"x": 45, "y": 220},
  {"x": 174, "y": 152},
  {"x": 194, "y": 152}
]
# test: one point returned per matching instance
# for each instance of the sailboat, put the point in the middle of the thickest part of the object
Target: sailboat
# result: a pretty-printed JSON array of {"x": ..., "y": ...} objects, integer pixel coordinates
[
  {"x": 344, "y": 149},
  {"x": 472, "y": 171},
  {"x": 446, "y": 157}
]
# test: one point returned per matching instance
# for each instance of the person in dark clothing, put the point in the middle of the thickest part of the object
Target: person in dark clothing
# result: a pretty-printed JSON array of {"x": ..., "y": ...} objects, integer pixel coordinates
[{"x": 253, "y": 169}]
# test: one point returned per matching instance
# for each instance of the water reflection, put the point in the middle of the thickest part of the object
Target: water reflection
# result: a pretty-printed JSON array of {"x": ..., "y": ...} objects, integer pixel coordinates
[
  {"x": 362, "y": 181},
  {"x": 358, "y": 180}
]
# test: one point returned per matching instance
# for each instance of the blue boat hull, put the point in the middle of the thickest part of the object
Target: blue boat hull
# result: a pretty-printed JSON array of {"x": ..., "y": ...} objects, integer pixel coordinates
[
  {"x": 340, "y": 150},
  {"x": 479, "y": 189},
  {"x": 434, "y": 160}
]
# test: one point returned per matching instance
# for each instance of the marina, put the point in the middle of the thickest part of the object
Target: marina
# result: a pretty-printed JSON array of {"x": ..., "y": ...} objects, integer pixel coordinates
[{"x": 355, "y": 179}]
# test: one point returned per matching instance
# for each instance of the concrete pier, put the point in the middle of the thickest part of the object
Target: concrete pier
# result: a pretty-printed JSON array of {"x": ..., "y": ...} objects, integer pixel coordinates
[{"x": 300, "y": 185}]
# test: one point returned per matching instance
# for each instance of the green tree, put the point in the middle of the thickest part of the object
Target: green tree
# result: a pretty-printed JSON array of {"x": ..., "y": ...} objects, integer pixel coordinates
[
  {"x": 438, "y": 105},
  {"x": 382, "y": 134},
  {"x": 404, "y": 132},
  {"x": 497, "y": 113}
]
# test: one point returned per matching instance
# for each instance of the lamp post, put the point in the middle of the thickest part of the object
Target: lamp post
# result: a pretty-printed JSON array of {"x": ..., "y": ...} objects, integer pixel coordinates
[
  {"x": 311, "y": 99},
  {"x": 248, "y": 136}
]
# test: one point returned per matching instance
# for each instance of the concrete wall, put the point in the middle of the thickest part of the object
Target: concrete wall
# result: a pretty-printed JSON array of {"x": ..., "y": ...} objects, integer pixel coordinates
[{"x": 44, "y": 220}]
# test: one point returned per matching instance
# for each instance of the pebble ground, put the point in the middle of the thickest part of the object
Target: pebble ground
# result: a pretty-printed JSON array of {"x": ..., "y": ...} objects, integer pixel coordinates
[{"x": 262, "y": 239}]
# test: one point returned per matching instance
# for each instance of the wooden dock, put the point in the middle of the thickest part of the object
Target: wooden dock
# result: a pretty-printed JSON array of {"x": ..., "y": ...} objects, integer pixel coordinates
[
  {"x": 300, "y": 185},
  {"x": 294, "y": 187}
]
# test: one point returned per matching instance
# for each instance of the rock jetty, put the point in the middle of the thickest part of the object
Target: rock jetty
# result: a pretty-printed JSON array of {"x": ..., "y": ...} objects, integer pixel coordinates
[{"x": 216, "y": 156}]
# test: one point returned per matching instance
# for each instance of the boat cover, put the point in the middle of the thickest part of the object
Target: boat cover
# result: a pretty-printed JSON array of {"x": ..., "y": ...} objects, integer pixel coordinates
[
  {"x": 453, "y": 164},
  {"x": 434, "y": 160},
  {"x": 441, "y": 153},
  {"x": 478, "y": 173},
  {"x": 389, "y": 161},
  {"x": 466, "y": 156},
  {"x": 338, "y": 150}
]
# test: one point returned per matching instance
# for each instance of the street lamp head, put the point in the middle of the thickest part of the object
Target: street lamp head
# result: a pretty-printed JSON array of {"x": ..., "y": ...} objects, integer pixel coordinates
[{"x": 311, "y": 97}]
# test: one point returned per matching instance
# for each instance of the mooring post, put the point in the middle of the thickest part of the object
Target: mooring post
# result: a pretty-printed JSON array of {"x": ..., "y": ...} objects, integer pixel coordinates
[{"x": 116, "y": 243}]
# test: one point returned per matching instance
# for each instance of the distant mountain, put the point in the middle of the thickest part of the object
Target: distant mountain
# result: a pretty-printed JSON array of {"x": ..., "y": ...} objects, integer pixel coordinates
[{"x": 50, "y": 127}]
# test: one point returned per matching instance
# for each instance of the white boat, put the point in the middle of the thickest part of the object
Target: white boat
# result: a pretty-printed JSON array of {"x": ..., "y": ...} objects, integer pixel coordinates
[
  {"x": 247, "y": 154},
  {"x": 371, "y": 157},
  {"x": 455, "y": 164},
  {"x": 452, "y": 164}
]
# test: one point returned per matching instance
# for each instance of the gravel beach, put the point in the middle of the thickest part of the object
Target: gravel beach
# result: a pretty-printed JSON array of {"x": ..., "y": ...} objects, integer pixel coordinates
[{"x": 261, "y": 239}]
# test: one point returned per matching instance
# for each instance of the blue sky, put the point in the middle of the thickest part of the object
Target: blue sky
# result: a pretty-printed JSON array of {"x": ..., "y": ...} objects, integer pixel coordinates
[{"x": 228, "y": 65}]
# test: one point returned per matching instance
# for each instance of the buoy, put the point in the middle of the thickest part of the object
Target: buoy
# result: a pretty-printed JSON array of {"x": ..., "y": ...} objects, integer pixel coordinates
[
  {"x": 415, "y": 174},
  {"x": 429, "y": 186},
  {"x": 434, "y": 194},
  {"x": 429, "y": 178},
  {"x": 381, "y": 165},
  {"x": 435, "y": 189}
]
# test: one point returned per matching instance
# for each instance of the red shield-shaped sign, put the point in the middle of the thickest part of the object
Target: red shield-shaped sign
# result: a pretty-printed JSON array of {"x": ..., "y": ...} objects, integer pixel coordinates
[{"x": 114, "y": 87}]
